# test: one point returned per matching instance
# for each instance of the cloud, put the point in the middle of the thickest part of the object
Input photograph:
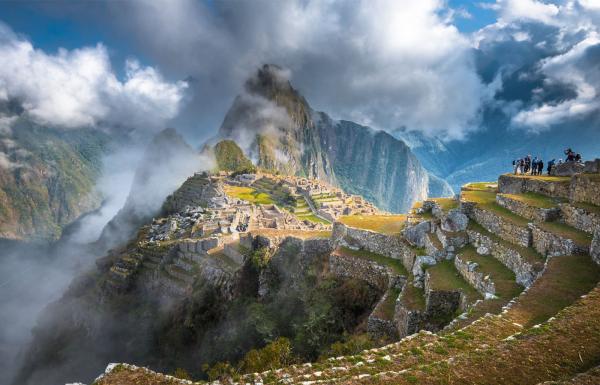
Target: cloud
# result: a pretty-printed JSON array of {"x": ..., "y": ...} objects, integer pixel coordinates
[
  {"x": 523, "y": 10},
  {"x": 383, "y": 63},
  {"x": 79, "y": 88}
]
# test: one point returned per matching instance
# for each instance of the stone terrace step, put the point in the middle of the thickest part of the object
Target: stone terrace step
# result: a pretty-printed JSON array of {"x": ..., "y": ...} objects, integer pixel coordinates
[
  {"x": 582, "y": 216},
  {"x": 552, "y": 186},
  {"x": 555, "y": 239},
  {"x": 535, "y": 207},
  {"x": 488, "y": 275},
  {"x": 525, "y": 262}
]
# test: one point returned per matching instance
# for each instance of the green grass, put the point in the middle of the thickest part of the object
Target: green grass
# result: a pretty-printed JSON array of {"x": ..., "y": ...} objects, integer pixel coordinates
[
  {"x": 249, "y": 194},
  {"x": 581, "y": 238},
  {"x": 535, "y": 200},
  {"x": 445, "y": 277},
  {"x": 487, "y": 201},
  {"x": 387, "y": 308},
  {"x": 503, "y": 278},
  {"x": 385, "y": 224},
  {"x": 446, "y": 204},
  {"x": 590, "y": 208},
  {"x": 481, "y": 186},
  {"x": 313, "y": 218},
  {"x": 413, "y": 298},
  {"x": 528, "y": 253},
  {"x": 395, "y": 264},
  {"x": 546, "y": 178}
]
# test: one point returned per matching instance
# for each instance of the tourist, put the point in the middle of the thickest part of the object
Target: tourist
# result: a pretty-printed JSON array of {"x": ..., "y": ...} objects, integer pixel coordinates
[
  {"x": 534, "y": 166},
  {"x": 540, "y": 167}
]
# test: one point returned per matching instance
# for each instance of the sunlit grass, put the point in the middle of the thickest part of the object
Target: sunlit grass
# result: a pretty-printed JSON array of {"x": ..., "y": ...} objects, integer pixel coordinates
[
  {"x": 248, "y": 194},
  {"x": 385, "y": 224}
]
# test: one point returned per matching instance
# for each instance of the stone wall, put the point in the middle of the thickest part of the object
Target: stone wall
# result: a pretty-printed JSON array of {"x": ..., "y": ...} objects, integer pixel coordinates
[
  {"x": 504, "y": 229},
  {"x": 510, "y": 184},
  {"x": 579, "y": 218},
  {"x": 470, "y": 272},
  {"x": 585, "y": 188},
  {"x": 451, "y": 241},
  {"x": 552, "y": 245},
  {"x": 530, "y": 212},
  {"x": 595, "y": 247},
  {"x": 377, "y": 325},
  {"x": 526, "y": 272},
  {"x": 349, "y": 267},
  {"x": 440, "y": 303},
  {"x": 387, "y": 245},
  {"x": 407, "y": 321}
]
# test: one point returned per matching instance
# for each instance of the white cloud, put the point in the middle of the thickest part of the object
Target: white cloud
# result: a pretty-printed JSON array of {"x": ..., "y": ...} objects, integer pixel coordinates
[
  {"x": 523, "y": 10},
  {"x": 381, "y": 62},
  {"x": 79, "y": 88}
]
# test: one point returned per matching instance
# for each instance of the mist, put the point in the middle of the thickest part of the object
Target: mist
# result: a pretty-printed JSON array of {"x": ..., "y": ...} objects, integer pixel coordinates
[{"x": 36, "y": 274}]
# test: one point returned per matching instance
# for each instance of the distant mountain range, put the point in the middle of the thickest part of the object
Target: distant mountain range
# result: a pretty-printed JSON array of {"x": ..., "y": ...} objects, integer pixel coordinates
[{"x": 280, "y": 132}]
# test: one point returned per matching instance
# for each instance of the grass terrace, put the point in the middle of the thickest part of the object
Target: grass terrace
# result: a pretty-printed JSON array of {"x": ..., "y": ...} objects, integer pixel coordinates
[
  {"x": 249, "y": 194},
  {"x": 386, "y": 309},
  {"x": 545, "y": 178},
  {"x": 535, "y": 200},
  {"x": 302, "y": 234},
  {"x": 413, "y": 298},
  {"x": 487, "y": 201},
  {"x": 581, "y": 238},
  {"x": 529, "y": 253},
  {"x": 503, "y": 278},
  {"x": 446, "y": 204},
  {"x": 385, "y": 224},
  {"x": 590, "y": 208},
  {"x": 445, "y": 277},
  {"x": 481, "y": 186},
  {"x": 395, "y": 264},
  {"x": 313, "y": 218}
]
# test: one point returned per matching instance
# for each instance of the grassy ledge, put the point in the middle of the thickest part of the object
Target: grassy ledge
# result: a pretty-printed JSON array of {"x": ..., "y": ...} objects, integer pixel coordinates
[
  {"x": 385, "y": 224},
  {"x": 445, "y": 277},
  {"x": 395, "y": 264}
]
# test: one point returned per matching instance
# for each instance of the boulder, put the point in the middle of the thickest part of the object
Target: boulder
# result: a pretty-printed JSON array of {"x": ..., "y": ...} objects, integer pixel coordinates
[
  {"x": 418, "y": 270},
  {"x": 416, "y": 234},
  {"x": 567, "y": 169},
  {"x": 592, "y": 166},
  {"x": 455, "y": 221}
]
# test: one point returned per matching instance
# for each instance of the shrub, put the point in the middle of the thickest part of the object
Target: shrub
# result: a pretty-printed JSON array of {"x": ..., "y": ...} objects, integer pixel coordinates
[
  {"x": 219, "y": 371},
  {"x": 274, "y": 355},
  {"x": 182, "y": 374}
]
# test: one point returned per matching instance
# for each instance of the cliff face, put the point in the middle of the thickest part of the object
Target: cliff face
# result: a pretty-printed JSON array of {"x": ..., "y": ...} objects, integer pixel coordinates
[
  {"x": 47, "y": 177},
  {"x": 276, "y": 126}
]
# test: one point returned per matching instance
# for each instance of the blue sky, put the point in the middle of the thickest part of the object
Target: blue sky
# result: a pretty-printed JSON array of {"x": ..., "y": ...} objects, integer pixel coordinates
[{"x": 480, "y": 17}]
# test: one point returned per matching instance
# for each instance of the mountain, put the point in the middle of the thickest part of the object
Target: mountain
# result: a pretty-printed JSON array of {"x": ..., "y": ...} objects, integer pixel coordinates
[
  {"x": 230, "y": 157},
  {"x": 167, "y": 161},
  {"x": 276, "y": 126},
  {"x": 47, "y": 175}
]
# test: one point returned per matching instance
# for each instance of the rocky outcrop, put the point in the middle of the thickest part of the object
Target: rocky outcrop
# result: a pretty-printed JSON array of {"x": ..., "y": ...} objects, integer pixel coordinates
[
  {"x": 505, "y": 229},
  {"x": 387, "y": 245},
  {"x": 527, "y": 211},
  {"x": 512, "y": 184},
  {"x": 579, "y": 217},
  {"x": 455, "y": 221},
  {"x": 567, "y": 169},
  {"x": 584, "y": 188},
  {"x": 526, "y": 272},
  {"x": 419, "y": 268},
  {"x": 416, "y": 234}
]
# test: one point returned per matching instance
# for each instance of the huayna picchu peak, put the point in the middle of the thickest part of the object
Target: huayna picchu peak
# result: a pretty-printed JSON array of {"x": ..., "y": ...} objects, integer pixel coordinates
[{"x": 454, "y": 290}]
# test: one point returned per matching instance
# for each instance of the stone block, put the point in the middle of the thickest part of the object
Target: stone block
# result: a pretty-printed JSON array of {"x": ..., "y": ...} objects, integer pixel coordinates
[
  {"x": 455, "y": 221},
  {"x": 592, "y": 166},
  {"x": 416, "y": 234},
  {"x": 407, "y": 321}
]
